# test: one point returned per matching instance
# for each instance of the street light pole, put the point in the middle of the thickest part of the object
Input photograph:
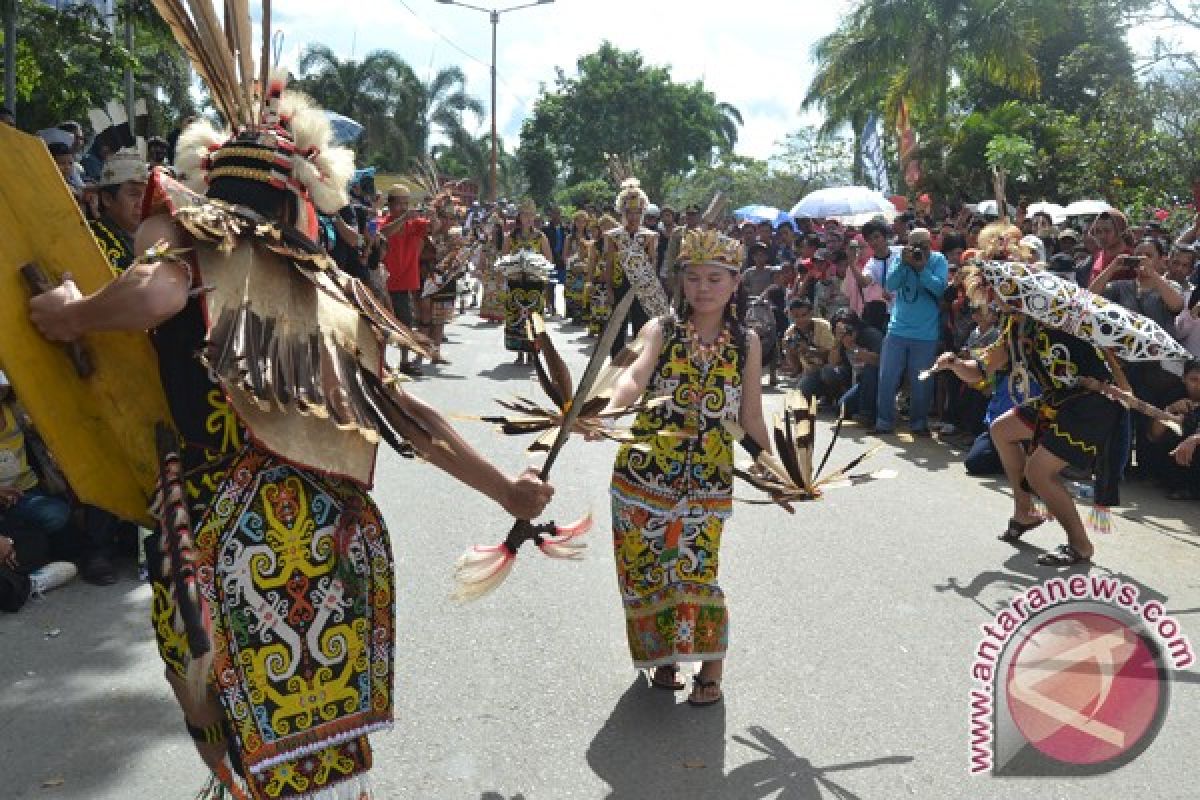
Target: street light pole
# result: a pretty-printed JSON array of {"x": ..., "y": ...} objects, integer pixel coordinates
[
  {"x": 495, "y": 141},
  {"x": 494, "y": 15}
]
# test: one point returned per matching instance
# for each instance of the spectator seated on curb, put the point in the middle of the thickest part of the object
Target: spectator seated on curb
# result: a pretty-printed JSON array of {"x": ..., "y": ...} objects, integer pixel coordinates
[
  {"x": 806, "y": 344},
  {"x": 31, "y": 521},
  {"x": 862, "y": 345},
  {"x": 1179, "y": 463}
]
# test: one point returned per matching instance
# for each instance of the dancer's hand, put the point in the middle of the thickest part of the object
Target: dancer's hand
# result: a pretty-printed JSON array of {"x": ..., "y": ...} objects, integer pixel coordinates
[
  {"x": 50, "y": 311},
  {"x": 527, "y": 495},
  {"x": 944, "y": 361},
  {"x": 1186, "y": 450}
]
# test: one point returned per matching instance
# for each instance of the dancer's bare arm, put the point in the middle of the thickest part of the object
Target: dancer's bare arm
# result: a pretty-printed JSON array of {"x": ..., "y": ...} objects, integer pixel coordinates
[
  {"x": 143, "y": 297},
  {"x": 525, "y": 497}
]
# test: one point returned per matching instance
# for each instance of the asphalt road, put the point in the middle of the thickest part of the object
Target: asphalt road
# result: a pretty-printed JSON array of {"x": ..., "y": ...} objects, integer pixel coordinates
[{"x": 854, "y": 624}]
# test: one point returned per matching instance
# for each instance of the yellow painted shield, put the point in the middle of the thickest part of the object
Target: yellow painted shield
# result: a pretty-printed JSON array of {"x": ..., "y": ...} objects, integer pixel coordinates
[{"x": 100, "y": 428}]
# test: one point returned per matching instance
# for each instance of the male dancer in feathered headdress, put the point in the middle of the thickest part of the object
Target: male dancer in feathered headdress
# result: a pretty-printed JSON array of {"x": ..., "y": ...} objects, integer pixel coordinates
[
  {"x": 630, "y": 254},
  {"x": 273, "y": 590}
]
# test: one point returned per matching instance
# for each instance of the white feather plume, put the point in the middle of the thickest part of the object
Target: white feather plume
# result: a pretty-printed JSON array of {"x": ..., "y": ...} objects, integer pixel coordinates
[
  {"x": 195, "y": 144},
  {"x": 327, "y": 173}
]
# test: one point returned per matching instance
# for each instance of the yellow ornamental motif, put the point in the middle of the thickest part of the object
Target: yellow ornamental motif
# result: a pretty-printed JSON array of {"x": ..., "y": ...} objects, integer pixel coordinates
[
  {"x": 172, "y": 643},
  {"x": 289, "y": 530},
  {"x": 286, "y": 776},
  {"x": 222, "y": 422},
  {"x": 700, "y": 398},
  {"x": 331, "y": 760}
]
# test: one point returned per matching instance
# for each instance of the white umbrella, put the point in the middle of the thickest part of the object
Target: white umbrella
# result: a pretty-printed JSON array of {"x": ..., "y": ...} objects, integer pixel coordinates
[
  {"x": 841, "y": 202},
  {"x": 988, "y": 209},
  {"x": 1082, "y": 208},
  {"x": 1058, "y": 214}
]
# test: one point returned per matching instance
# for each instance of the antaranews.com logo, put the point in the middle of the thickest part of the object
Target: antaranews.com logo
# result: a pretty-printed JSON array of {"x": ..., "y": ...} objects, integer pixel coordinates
[{"x": 1072, "y": 678}]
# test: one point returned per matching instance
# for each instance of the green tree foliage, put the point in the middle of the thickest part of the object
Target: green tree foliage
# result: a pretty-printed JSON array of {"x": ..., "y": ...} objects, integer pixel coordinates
[
  {"x": 68, "y": 61},
  {"x": 438, "y": 105},
  {"x": 618, "y": 104},
  {"x": 470, "y": 156},
  {"x": 594, "y": 193},
  {"x": 804, "y": 162},
  {"x": 921, "y": 48},
  {"x": 370, "y": 92},
  {"x": 1059, "y": 77},
  {"x": 400, "y": 113}
]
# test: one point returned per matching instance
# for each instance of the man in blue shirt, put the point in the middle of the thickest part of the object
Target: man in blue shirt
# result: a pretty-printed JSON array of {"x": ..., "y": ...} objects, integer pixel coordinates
[{"x": 917, "y": 279}]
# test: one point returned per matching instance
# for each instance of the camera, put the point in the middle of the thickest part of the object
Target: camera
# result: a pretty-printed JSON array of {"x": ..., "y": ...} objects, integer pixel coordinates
[
  {"x": 1130, "y": 261},
  {"x": 915, "y": 254}
]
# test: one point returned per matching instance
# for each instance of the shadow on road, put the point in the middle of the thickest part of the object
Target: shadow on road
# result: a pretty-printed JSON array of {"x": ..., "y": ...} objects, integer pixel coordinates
[
  {"x": 1020, "y": 571},
  {"x": 653, "y": 747},
  {"x": 67, "y": 662},
  {"x": 507, "y": 371},
  {"x": 782, "y": 774}
]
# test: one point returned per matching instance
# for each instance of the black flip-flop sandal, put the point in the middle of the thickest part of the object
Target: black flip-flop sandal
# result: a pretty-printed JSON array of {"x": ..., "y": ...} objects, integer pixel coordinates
[
  {"x": 1063, "y": 556},
  {"x": 1016, "y": 530},
  {"x": 675, "y": 685},
  {"x": 701, "y": 683}
]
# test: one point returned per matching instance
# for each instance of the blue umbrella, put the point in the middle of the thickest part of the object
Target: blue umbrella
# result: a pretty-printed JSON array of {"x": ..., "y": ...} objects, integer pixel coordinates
[
  {"x": 345, "y": 130},
  {"x": 757, "y": 214}
]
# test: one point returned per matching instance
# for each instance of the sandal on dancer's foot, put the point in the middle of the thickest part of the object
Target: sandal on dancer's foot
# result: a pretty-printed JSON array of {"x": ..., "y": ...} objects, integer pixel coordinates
[
  {"x": 667, "y": 679},
  {"x": 1064, "y": 555},
  {"x": 1016, "y": 530},
  {"x": 700, "y": 685}
]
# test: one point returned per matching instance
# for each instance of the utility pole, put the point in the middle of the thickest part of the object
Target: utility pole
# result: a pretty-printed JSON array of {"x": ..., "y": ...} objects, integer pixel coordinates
[
  {"x": 494, "y": 15},
  {"x": 495, "y": 140}
]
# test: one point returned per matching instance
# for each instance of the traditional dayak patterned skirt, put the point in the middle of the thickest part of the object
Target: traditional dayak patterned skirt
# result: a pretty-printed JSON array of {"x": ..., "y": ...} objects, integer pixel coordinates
[
  {"x": 573, "y": 290},
  {"x": 521, "y": 299},
  {"x": 667, "y": 557},
  {"x": 491, "y": 306},
  {"x": 296, "y": 572},
  {"x": 598, "y": 308}
]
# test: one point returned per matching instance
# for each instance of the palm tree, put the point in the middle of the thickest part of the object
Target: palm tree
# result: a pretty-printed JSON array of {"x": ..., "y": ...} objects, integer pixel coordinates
[
  {"x": 368, "y": 91},
  {"x": 437, "y": 105},
  {"x": 469, "y": 156},
  {"x": 727, "y": 126},
  {"x": 921, "y": 47},
  {"x": 849, "y": 85}
]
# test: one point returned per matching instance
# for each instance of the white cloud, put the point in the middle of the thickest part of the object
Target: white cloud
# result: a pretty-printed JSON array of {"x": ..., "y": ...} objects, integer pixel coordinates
[{"x": 759, "y": 62}]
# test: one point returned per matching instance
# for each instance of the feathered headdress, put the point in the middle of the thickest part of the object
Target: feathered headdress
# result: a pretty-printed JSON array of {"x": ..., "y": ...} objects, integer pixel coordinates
[
  {"x": 278, "y": 137},
  {"x": 701, "y": 246},
  {"x": 630, "y": 196}
]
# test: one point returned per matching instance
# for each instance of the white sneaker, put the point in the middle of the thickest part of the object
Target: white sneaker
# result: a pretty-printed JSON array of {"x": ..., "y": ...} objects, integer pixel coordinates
[
  {"x": 947, "y": 429},
  {"x": 51, "y": 576}
]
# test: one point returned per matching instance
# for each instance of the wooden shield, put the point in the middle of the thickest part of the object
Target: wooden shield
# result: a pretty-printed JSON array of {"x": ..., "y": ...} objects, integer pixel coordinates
[{"x": 100, "y": 428}]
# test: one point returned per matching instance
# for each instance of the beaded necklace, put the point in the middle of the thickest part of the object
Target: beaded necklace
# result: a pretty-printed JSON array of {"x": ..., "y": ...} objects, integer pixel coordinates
[{"x": 703, "y": 354}]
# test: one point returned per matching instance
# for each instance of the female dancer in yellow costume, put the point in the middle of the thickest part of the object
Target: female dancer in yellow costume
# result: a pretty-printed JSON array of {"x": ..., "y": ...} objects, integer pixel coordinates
[
  {"x": 672, "y": 493},
  {"x": 523, "y": 295}
]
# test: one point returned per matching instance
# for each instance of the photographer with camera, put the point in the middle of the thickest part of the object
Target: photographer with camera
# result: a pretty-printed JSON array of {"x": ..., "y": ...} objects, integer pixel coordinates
[
  {"x": 918, "y": 281},
  {"x": 1152, "y": 295}
]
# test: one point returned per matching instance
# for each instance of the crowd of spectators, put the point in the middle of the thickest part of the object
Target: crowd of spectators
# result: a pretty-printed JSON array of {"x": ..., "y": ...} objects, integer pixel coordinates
[{"x": 863, "y": 311}]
